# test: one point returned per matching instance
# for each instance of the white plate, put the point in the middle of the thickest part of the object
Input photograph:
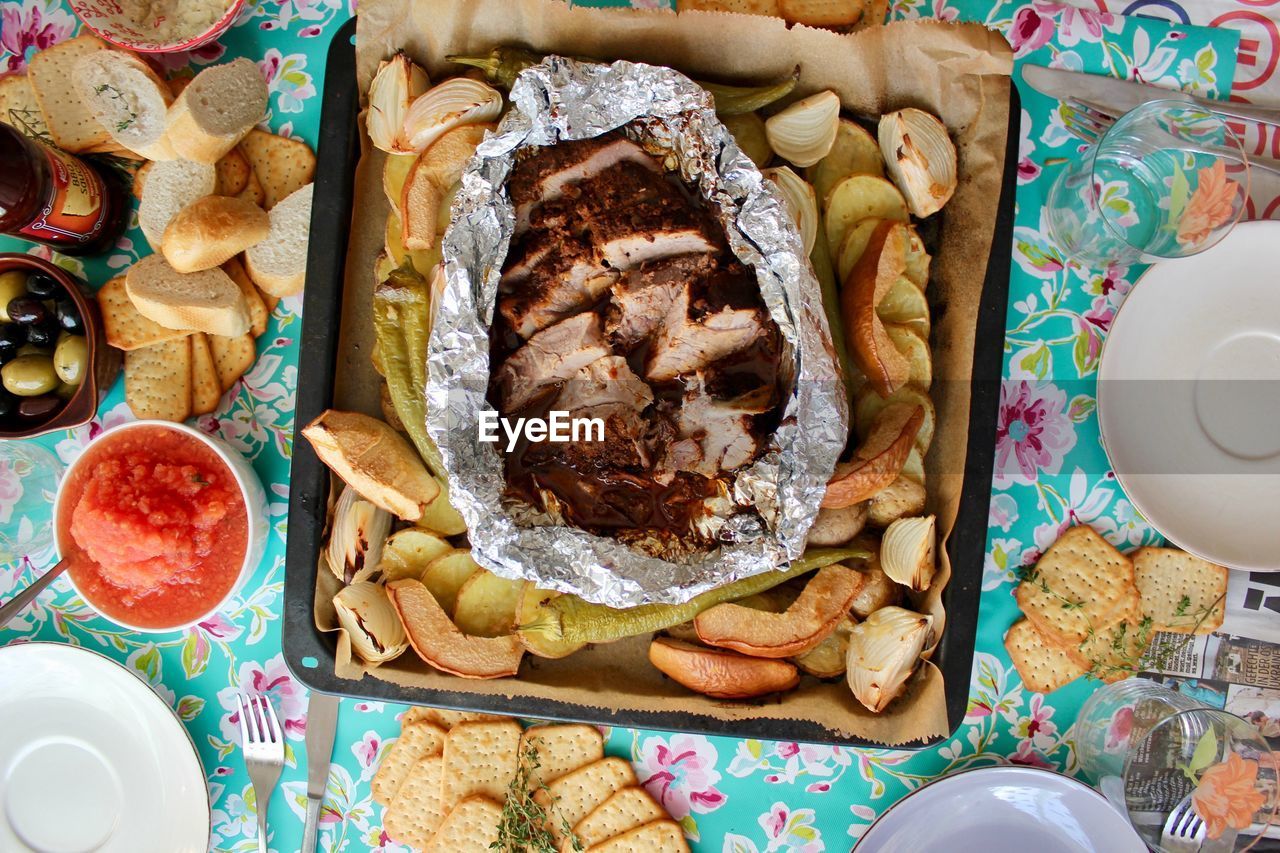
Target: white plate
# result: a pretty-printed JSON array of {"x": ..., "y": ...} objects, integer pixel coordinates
[
  {"x": 91, "y": 759},
  {"x": 1189, "y": 399},
  {"x": 1002, "y": 810}
]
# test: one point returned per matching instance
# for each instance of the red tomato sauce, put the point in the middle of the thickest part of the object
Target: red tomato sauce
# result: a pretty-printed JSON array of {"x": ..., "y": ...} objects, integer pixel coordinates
[{"x": 154, "y": 526}]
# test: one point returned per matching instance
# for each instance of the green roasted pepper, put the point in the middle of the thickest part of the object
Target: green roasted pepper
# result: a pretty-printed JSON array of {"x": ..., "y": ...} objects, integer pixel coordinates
[
  {"x": 571, "y": 619},
  {"x": 820, "y": 258}
]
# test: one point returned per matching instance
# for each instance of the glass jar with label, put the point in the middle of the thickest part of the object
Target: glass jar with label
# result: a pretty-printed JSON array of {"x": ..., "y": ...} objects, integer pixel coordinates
[{"x": 56, "y": 198}]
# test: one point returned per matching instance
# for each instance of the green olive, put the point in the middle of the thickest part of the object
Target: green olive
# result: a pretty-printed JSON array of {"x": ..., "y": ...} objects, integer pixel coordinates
[
  {"x": 12, "y": 285},
  {"x": 29, "y": 376},
  {"x": 71, "y": 359},
  {"x": 66, "y": 391},
  {"x": 32, "y": 349}
]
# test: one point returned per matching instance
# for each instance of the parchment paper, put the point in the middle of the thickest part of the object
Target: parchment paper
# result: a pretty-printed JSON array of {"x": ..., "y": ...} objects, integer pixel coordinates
[{"x": 957, "y": 71}]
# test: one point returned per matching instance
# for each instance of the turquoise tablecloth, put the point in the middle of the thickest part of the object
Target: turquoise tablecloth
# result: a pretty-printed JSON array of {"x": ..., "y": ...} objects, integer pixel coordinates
[{"x": 739, "y": 795}]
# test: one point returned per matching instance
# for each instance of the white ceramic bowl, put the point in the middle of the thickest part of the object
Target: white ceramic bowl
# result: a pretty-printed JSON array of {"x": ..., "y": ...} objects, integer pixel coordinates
[{"x": 255, "y": 502}]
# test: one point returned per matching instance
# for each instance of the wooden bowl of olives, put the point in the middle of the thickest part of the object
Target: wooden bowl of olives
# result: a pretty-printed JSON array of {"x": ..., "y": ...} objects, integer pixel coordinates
[{"x": 55, "y": 364}]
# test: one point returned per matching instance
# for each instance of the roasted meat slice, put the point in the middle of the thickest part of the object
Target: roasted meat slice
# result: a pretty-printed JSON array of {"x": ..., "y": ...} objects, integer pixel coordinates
[
  {"x": 566, "y": 283},
  {"x": 542, "y": 176},
  {"x": 714, "y": 435},
  {"x": 551, "y": 356},
  {"x": 642, "y": 297},
  {"x": 710, "y": 318},
  {"x": 606, "y": 390}
]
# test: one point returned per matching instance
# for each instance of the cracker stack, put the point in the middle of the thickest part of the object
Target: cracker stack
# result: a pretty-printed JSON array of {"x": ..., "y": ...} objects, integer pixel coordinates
[
  {"x": 456, "y": 781},
  {"x": 1090, "y": 610}
]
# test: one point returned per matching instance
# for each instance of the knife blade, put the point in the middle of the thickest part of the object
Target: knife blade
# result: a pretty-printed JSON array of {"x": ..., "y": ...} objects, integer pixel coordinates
[
  {"x": 322, "y": 723},
  {"x": 1119, "y": 96}
]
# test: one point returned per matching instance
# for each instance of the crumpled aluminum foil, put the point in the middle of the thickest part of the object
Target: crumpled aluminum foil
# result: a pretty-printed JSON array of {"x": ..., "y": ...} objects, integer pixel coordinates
[{"x": 674, "y": 118}]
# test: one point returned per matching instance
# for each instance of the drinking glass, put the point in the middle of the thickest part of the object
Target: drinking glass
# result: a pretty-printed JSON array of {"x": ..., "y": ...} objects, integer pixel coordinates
[
  {"x": 1212, "y": 761},
  {"x": 29, "y": 477},
  {"x": 1169, "y": 179},
  {"x": 1116, "y": 717}
]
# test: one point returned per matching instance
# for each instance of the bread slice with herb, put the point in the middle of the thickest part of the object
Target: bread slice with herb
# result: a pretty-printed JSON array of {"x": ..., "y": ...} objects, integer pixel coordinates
[
  {"x": 211, "y": 231},
  {"x": 206, "y": 301},
  {"x": 71, "y": 123},
  {"x": 171, "y": 185},
  {"x": 278, "y": 264},
  {"x": 216, "y": 110},
  {"x": 128, "y": 99}
]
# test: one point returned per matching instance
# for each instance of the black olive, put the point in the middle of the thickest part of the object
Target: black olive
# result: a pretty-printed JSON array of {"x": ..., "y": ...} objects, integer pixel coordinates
[
  {"x": 39, "y": 408},
  {"x": 8, "y": 405},
  {"x": 42, "y": 335},
  {"x": 26, "y": 310},
  {"x": 11, "y": 337},
  {"x": 69, "y": 316},
  {"x": 43, "y": 286}
]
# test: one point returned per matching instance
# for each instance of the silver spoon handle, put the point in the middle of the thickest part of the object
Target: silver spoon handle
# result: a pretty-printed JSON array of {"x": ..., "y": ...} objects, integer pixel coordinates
[{"x": 20, "y": 601}]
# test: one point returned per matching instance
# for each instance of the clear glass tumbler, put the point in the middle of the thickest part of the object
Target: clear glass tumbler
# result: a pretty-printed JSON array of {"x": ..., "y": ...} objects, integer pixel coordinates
[
  {"x": 1205, "y": 762},
  {"x": 1117, "y": 716},
  {"x": 1169, "y": 179}
]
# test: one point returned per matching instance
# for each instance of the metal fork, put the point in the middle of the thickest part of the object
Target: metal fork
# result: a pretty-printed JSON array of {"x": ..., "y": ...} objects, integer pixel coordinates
[
  {"x": 262, "y": 744},
  {"x": 1088, "y": 121},
  {"x": 1184, "y": 831}
]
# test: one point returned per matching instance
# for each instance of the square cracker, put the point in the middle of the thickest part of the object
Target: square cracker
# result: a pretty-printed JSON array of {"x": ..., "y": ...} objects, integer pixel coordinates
[
  {"x": 628, "y": 809},
  {"x": 471, "y": 827},
  {"x": 659, "y": 836},
  {"x": 232, "y": 357},
  {"x": 1115, "y": 653},
  {"x": 561, "y": 749},
  {"x": 127, "y": 329},
  {"x": 258, "y": 313},
  {"x": 822, "y": 13},
  {"x": 480, "y": 759},
  {"x": 416, "y": 742},
  {"x": 18, "y": 107},
  {"x": 232, "y": 173},
  {"x": 1044, "y": 666},
  {"x": 1180, "y": 592},
  {"x": 571, "y": 798},
  {"x": 157, "y": 380},
  {"x": 282, "y": 164},
  {"x": 1081, "y": 585},
  {"x": 70, "y": 122},
  {"x": 443, "y": 717},
  {"x": 205, "y": 390},
  {"x": 414, "y": 814}
]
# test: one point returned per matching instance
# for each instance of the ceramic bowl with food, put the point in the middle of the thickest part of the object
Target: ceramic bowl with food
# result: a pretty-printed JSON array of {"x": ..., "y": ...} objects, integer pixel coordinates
[
  {"x": 158, "y": 26},
  {"x": 161, "y": 524},
  {"x": 55, "y": 364}
]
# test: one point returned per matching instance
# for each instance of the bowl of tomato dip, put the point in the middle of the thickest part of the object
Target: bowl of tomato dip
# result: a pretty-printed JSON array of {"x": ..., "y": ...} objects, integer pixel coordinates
[{"x": 160, "y": 523}]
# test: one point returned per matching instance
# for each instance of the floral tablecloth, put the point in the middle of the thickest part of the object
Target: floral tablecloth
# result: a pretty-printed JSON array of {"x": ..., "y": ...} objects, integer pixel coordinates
[{"x": 730, "y": 794}]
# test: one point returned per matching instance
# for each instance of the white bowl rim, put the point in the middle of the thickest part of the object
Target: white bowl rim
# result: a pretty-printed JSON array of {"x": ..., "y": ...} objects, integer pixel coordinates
[{"x": 223, "y": 452}]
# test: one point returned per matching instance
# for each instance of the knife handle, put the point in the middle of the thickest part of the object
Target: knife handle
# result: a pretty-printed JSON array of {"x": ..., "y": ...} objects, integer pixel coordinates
[{"x": 312, "y": 827}]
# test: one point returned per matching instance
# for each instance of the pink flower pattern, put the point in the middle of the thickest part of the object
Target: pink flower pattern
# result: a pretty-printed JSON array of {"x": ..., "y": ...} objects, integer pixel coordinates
[
  {"x": 31, "y": 26},
  {"x": 1033, "y": 433},
  {"x": 681, "y": 773}
]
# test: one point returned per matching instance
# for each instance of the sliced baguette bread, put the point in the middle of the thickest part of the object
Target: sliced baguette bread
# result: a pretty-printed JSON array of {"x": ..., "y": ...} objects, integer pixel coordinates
[
  {"x": 170, "y": 186},
  {"x": 278, "y": 265},
  {"x": 206, "y": 301},
  {"x": 128, "y": 99},
  {"x": 212, "y": 230},
  {"x": 71, "y": 123},
  {"x": 216, "y": 110}
]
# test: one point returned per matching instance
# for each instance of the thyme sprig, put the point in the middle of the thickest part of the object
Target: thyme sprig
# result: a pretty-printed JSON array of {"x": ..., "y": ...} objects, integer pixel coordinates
[
  {"x": 113, "y": 92},
  {"x": 525, "y": 824}
]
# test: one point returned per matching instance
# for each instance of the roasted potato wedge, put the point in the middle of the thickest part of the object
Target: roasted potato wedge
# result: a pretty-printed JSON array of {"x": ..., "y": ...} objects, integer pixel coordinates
[
  {"x": 375, "y": 460},
  {"x": 837, "y": 525},
  {"x": 878, "y": 591},
  {"x": 394, "y": 173},
  {"x": 853, "y": 244},
  {"x": 440, "y": 517},
  {"x": 855, "y": 152},
  {"x": 436, "y": 169},
  {"x": 913, "y": 468},
  {"x": 858, "y": 197},
  {"x": 873, "y": 276},
  {"x": 918, "y": 261},
  {"x": 718, "y": 673},
  {"x": 908, "y": 342},
  {"x": 446, "y": 574},
  {"x": 407, "y": 553},
  {"x": 827, "y": 659},
  {"x": 824, "y": 601},
  {"x": 868, "y": 404},
  {"x": 879, "y": 460},
  {"x": 486, "y": 604},
  {"x": 899, "y": 499},
  {"x": 439, "y": 642}
]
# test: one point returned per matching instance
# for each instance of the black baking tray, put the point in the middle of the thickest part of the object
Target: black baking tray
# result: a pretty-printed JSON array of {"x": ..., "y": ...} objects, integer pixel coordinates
[{"x": 310, "y": 652}]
